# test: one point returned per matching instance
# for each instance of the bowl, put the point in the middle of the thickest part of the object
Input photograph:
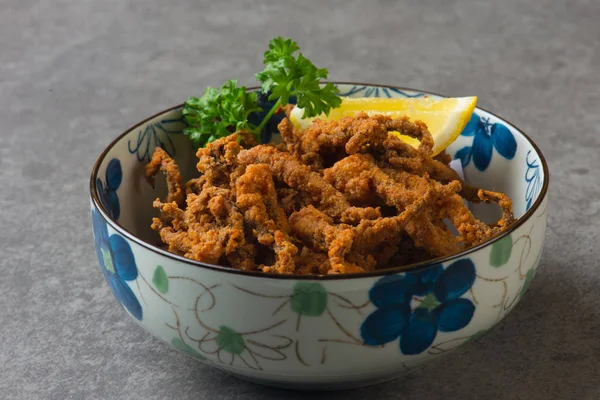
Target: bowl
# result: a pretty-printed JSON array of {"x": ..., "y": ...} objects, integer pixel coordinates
[{"x": 318, "y": 332}]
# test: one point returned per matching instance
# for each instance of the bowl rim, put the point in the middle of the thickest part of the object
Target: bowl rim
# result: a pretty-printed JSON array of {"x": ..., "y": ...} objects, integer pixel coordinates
[{"x": 379, "y": 273}]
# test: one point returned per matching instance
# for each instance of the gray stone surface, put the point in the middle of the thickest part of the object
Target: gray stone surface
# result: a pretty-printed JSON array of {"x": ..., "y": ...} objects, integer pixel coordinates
[{"x": 74, "y": 74}]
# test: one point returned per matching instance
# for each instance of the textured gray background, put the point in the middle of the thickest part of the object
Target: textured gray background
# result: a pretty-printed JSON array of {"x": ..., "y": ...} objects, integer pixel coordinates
[{"x": 74, "y": 74}]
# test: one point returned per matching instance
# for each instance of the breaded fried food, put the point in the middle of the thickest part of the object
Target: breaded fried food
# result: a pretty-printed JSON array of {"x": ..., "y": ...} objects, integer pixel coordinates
[
  {"x": 360, "y": 179},
  {"x": 257, "y": 199},
  {"x": 339, "y": 197},
  {"x": 161, "y": 160},
  {"x": 210, "y": 229},
  {"x": 349, "y": 248},
  {"x": 217, "y": 162},
  {"x": 298, "y": 176}
]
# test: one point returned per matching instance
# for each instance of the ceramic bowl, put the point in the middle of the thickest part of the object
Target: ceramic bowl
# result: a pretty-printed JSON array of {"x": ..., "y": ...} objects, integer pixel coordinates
[{"x": 325, "y": 332}]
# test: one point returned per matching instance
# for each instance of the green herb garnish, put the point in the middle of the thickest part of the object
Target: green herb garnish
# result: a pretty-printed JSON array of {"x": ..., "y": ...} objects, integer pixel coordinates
[
  {"x": 220, "y": 112},
  {"x": 285, "y": 75}
]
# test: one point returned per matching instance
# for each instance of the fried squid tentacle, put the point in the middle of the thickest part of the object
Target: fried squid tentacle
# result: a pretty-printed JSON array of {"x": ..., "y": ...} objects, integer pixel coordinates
[
  {"x": 358, "y": 134},
  {"x": 195, "y": 185},
  {"x": 317, "y": 228},
  {"x": 209, "y": 229},
  {"x": 312, "y": 261},
  {"x": 401, "y": 192},
  {"x": 338, "y": 197},
  {"x": 416, "y": 129},
  {"x": 161, "y": 160},
  {"x": 298, "y": 176},
  {"x": 471, "y": 230},
  {"x": 217, "y": 162},
  {"x": 324, "y": 138},
  {"x": 170, "y": 215},
  {"x": 370, "y": 234},
  {"x": 396, "y": 153},
  {"x": 292, "y": 200},
  {"x": 364, "y": 134},
  {"x": 505, "y": 205},
  {"x": 257, "y": 198},
  {"x": 346, "y": 246}
]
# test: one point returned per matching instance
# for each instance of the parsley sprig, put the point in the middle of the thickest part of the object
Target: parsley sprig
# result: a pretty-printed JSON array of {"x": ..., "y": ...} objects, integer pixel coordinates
[{"x": 220, "y": 112}]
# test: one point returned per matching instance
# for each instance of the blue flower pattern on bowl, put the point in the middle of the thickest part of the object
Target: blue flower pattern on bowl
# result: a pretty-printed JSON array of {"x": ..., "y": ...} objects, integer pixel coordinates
[
  {"x": 376, "y": 91},
  {"x": 117, "y": 263},
  {"x": 486, "y": 137},
  {"x": 440, "y": 307},
  {"x": 108, "y": 191},
  {"x": 156, "y": 135},
  {"x": 533, "y": 179}
]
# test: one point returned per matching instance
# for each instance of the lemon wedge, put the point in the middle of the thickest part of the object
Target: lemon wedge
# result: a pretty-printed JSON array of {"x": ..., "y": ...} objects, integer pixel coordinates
[{"x": 445, "y": 118}]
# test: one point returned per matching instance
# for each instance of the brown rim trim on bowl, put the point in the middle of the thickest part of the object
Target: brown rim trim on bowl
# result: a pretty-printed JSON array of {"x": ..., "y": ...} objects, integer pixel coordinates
[{"x": 405, "y": 268}]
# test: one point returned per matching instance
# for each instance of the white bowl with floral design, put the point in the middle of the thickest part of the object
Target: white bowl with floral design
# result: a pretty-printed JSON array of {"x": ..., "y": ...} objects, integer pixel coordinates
[{"x": 325, "y": 332}]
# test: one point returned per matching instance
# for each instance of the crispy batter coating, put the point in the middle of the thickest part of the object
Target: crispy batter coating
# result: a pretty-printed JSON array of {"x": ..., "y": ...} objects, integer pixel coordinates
[
  {"x": 348, "y": 247},
  {"x": 443, "y": 157},
  {"x": 399, "y": 155},
  {"x": 195, "y": 185},
  {"x": 311, "y": 261},
  {"x": 298, "y": 176},
  {"x": 317, "y": 228},
  {"x": 326, "y": 138},
  {"x": 257, "y": 199},
  {"x": 292, "y": 200},
  {"x": 360, "y": 179},
  {"x": 505, "y": 205},
  {"x": 161, "y": 160},
  {"x": 217, "y": 162},
  {"x": 338, "y": 197},
  {"x": 417, "y": 130},
  {"x": 209, "y": 229}
]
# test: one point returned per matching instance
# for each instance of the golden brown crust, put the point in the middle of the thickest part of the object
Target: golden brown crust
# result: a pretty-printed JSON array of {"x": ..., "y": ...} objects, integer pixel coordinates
[
  {"x": 161, "y": 160},
  {"x": 257, "y": 199},
  {"x": 299, "y": 176},
  {"x": 339, "y": 197}
]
